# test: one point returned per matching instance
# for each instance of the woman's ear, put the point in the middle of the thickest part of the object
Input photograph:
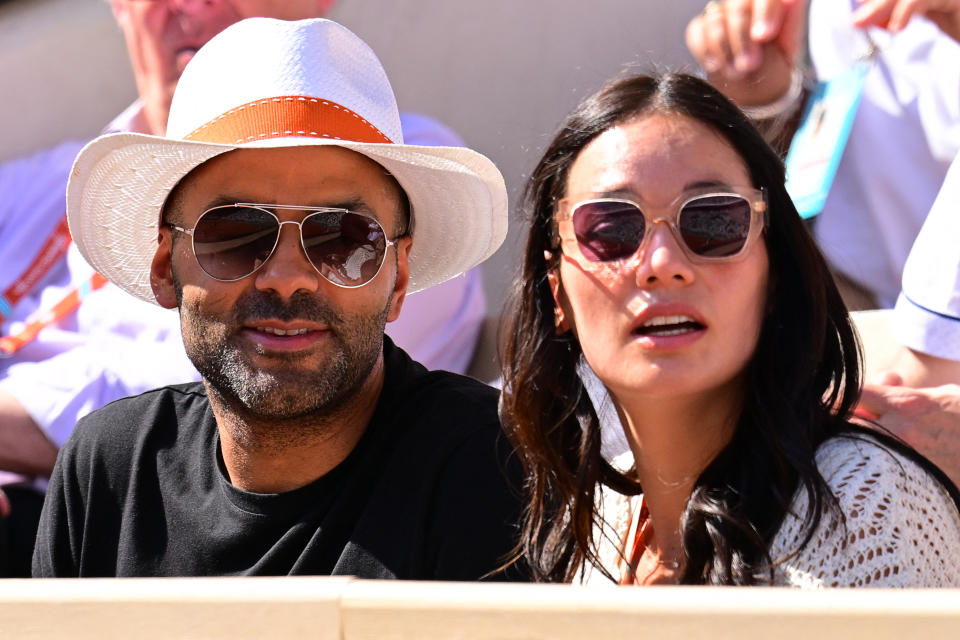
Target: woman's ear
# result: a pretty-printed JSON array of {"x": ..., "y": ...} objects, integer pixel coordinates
[
  {"x": 161, "y": 271},
  {"x": 560, "y": 322}
]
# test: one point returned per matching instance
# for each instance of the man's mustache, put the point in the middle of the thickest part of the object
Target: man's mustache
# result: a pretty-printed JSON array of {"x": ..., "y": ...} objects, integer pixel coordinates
[{"x": 261, "y": 305}]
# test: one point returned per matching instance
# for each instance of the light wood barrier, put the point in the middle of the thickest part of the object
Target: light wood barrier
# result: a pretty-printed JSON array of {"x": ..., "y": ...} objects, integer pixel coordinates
[{"x": 348, "y": 609}]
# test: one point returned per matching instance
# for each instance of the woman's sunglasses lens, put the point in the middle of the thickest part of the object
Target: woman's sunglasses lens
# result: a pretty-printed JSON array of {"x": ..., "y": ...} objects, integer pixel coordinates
[
  {"x": 231, "y": 242},
  {"x": 715, "y": 226},
  {"x": 346, "y": 248},
  {"x": 608, "y": 230}
]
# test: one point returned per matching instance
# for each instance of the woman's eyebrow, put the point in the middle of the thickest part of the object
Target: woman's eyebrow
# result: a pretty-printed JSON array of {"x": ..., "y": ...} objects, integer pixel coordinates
[{"x": 705, "y": 184}]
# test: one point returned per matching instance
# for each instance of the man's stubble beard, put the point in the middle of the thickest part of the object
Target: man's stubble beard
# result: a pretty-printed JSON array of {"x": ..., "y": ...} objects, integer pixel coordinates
[{"x": 283, "y": 392}]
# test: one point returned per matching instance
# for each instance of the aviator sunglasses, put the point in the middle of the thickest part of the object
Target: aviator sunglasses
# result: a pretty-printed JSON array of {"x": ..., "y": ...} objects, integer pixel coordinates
[
  {"x": 233, "y": 241},
  {"x": 713, "y": 224}
]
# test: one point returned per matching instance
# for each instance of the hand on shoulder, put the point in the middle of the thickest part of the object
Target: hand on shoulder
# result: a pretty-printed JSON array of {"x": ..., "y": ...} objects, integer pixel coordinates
[{"x": 928, "y": 418}]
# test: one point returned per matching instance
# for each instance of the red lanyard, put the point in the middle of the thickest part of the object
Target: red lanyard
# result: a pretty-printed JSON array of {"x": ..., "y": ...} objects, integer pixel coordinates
[
  {"x": 635, "y": 544},
  {"x": 53, "y": 250}
]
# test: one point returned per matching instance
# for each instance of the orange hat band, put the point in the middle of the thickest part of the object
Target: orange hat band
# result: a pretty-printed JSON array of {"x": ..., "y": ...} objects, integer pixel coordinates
[{"x": 284, "y": 117}]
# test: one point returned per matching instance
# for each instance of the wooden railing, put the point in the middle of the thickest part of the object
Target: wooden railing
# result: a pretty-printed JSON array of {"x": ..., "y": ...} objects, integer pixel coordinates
[{"x": 348, "y": 609}]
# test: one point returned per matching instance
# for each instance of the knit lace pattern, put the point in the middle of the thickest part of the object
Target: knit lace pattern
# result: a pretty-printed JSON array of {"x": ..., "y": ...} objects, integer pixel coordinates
[{"x": 901, "y": 527}]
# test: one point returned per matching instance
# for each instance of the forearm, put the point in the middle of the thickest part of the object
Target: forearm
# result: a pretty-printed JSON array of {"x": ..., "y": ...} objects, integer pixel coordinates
[{"x": 24, "y": 448}]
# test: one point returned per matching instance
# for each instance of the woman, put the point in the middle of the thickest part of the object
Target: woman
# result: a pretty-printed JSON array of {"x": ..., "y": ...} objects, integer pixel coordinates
[{"x": 668, "y": 275}]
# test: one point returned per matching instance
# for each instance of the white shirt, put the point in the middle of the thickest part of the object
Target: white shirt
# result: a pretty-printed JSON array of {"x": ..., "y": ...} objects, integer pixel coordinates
[
  {"x": 927, "y": 315},
  {"x": 905, "y": 134}
]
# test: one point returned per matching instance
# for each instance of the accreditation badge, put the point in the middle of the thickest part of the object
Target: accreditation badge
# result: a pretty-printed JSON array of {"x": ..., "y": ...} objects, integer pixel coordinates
[{"x": 821, "y": 138}]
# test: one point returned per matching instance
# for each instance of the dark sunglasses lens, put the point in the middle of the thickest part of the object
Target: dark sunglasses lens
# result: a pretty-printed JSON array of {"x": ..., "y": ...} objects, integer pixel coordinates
[
  {"x": 231, "y": 242},
  {"x": 608, "y": 230},
  {"x": 715, "y": 226},
  {"x": 346, "y": 248}
]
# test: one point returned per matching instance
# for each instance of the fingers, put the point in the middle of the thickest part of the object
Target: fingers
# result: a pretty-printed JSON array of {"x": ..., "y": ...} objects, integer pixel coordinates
[
  {"x": 873, "y": 402},
  {"x": 874, "y": 13},
  {"x": 744, "y": 50},
  {"x": 768, "y": 17},
  {"x": 728, "y": 36},
  {"x": 4, "y": 504},
  {"x": 706, "y": 39},
  {"x": 893, "y": 15},
  {"x": 791, "y": 29},
  {"x": 902, "y": 12}
]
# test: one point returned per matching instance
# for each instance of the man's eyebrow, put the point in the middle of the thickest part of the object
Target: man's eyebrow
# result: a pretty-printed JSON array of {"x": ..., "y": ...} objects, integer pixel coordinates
[{"x": 355, "y": 203}]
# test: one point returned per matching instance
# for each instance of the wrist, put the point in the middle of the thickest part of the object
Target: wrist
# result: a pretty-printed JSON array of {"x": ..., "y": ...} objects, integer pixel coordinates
[{"x": 787, "y": 103}]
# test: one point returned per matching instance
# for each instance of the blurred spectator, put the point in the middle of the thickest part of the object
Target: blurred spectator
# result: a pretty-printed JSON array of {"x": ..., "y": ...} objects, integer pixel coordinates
[
  {"x": 907, "y": 127},
  {"x": 919, "y": 395}
]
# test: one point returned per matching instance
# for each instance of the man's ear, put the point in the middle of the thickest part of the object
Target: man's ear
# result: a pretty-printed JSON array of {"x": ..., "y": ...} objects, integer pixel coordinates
[
  {"x": 161, "y": 271},
  {"x": 399, "y": 293}
]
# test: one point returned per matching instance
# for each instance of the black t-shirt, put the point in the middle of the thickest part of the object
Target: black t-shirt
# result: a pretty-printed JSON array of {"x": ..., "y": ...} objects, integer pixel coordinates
[{"x": 429, "y": 492}]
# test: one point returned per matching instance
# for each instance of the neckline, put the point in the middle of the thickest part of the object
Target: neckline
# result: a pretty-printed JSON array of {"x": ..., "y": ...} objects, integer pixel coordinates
[{"x": 635, "y": 544}]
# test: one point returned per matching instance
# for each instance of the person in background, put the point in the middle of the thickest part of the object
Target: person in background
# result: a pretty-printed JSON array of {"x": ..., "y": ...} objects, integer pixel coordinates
[
  {"x": 907, "y": 126},
  {"x": 904, "y": 138},
  {"x": 102, "y": 344},
  {"x": 679, "y": 369},
  {"x": 918, "y": 396}
]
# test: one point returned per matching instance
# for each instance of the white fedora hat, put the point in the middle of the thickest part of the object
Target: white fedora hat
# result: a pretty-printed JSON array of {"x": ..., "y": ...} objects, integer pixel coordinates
[{"x": 272, "y": 83}]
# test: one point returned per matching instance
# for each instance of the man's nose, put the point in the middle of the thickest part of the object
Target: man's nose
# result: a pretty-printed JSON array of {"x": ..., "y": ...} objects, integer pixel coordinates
[{"x": 288, "y": 270}]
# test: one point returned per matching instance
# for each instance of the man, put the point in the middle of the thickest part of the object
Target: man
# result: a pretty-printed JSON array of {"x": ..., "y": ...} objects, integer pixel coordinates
[
  {"x": 285, "y": 219},
  {"x": 441, "y": 325},
  {"x": 94, "y": 352}
]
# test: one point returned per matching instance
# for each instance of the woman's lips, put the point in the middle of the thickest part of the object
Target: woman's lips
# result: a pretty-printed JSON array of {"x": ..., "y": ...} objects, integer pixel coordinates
[{"x": 668, "y": 326}]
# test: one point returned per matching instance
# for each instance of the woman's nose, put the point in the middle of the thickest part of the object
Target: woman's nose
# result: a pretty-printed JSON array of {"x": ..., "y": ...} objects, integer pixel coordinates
[{"x": 663, "y": 261}]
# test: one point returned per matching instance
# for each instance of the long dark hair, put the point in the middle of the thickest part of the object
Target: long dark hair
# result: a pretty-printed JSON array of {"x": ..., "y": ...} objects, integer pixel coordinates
[{"x": 801, "y": 383}]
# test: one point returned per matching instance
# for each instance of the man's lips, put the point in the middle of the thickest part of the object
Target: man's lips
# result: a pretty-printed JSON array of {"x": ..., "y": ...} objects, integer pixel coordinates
[
  {"x": 284, "y": 332},
  {"x": 285, "y": 335}
]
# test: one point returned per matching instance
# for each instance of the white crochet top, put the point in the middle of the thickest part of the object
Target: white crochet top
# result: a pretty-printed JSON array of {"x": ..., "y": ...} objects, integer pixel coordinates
[{"x": 902, "y": 528}]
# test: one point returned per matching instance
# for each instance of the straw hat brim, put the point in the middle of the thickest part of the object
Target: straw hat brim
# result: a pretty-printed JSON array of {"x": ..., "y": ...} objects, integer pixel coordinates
[{"x": 120, "y": 182}]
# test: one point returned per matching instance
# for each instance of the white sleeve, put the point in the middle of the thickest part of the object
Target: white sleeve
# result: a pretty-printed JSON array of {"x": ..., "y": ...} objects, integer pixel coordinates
[
  {"x": 138, "y": 348},
  {"x": 927, "y": 315}
]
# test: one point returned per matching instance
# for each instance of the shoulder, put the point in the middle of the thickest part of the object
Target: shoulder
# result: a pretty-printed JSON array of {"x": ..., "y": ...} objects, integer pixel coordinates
[
  {"x": 121, "y": 426},
  {"x": 450, "y": 409},
  {"x": 435, "y": 399},
  {"x": 178, "y": 398},
  {"x": 900, "y": 526}
]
